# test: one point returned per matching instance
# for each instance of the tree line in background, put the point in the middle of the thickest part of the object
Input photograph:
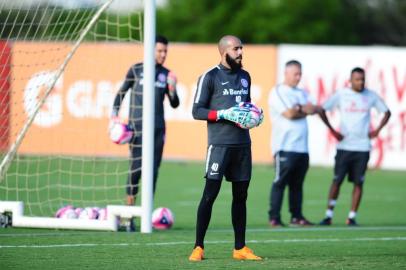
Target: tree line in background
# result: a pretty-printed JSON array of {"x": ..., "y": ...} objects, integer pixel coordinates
[
  {"x": 349, "y": 22},
  {"x": 353, "y": 22}
]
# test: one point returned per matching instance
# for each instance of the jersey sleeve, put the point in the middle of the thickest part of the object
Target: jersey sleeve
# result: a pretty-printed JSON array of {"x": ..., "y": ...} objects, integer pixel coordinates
[
  {"x": 127, "y": 84},
  {"x": 331, "y": 102},
  {"x": 200, "y": 110},
  {"x": 379, "y": 104}
]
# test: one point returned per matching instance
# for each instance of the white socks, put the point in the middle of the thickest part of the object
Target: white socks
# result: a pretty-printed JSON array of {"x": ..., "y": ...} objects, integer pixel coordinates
[
  {"x": 352, "y": 214},
  {"x": 329, "y": 213}
]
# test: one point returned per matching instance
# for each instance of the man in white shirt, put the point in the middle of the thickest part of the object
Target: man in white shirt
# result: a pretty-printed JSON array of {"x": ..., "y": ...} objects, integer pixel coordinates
[
  {"x": 289, "y": 106},
  {"x": 354, "y": 135}
]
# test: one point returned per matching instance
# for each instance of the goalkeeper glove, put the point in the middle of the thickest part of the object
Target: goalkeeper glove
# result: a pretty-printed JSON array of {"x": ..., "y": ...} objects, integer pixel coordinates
[
  {"x": 171, "y": 80},
  {"x": 240, "y": 116}
]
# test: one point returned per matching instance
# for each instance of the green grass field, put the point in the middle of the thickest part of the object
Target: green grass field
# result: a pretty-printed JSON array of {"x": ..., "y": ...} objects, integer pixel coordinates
[{"x": 379, "y": 243}]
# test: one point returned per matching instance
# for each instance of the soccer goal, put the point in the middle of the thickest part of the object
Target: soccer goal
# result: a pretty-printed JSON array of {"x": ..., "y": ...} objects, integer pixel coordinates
[{"x": 61, "y": 64}]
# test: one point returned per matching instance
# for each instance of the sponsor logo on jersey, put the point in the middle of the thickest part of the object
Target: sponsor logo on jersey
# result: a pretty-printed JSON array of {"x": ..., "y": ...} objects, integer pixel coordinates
[
  {"x": 233, "y": 92},
  {"x": 157, "y": 83},
  {"x": 224, "y": 83},
  {"x": 356, "y": 108}
]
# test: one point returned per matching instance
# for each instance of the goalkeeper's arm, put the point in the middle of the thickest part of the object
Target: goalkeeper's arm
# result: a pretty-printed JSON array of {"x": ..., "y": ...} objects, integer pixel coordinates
[
  {"x": 239, "y": 116},
  {"x": 127, "y": 84},
  {"x": 171, "y": 90},
  {"x": 202, "y": 99}
]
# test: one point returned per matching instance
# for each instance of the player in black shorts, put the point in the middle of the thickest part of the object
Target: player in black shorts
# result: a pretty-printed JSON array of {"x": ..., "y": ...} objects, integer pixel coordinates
[
  {"x": 354, "y": 139},
  {"x": 165, "y": 85},
  {"x": 229, "y": 146}
]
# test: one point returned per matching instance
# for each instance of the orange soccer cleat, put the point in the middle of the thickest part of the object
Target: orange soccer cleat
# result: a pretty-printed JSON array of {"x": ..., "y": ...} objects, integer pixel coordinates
[
  {"x": 197, "y": 254},
  {"x": 245, "y": 254}
]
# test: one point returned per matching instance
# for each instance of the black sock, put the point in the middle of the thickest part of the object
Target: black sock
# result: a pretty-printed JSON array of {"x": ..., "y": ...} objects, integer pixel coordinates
[
  {"x": 239, "y": 212},
  {"x": 210, "y": 193}
]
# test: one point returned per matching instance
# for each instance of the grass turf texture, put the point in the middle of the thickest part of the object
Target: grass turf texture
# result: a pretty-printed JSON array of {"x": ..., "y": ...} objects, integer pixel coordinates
[{"x": 379, "y": 243}]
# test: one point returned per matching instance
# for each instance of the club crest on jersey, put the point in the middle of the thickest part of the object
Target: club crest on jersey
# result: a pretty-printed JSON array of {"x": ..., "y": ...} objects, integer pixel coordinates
[
  {"x": 244, "y": 82},
  {"x": 161, "y": 77}
]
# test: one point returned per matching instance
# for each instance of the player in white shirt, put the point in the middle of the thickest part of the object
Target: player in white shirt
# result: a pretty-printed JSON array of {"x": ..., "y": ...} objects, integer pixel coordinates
[
  {"x": 289, "y": 106},
  {"x": 354, "y": 136}
]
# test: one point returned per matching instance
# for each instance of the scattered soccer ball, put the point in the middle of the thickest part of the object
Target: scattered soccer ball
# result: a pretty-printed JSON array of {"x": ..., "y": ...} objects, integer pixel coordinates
[
  {"x": 120, "y": 133},
  {"x": 78, "y": 210},
  {"x": 256, "y": 115},
  {"x": 162, "y": 218},
  {"x": 88, "y": 213},
  {"x": 66, "y": 212},
  {"x": 102, "y": 214}
]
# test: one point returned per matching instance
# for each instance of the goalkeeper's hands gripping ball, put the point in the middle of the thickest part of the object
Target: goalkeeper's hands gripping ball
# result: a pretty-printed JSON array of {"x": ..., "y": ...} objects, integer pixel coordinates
[
  {"x": 261, "y": 117},
  {"x": 119, "y": 133},
  {"x": 245, "y": 114}
]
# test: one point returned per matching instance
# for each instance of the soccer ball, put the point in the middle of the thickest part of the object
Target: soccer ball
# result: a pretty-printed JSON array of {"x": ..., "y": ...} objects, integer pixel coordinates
[
  {"x": 120, "y": 133},
  {"x": 162, "y": 218},
  {"x": 66, "y": 212},
  {"x": 102, "y": 214},
  {"x": 88, "y": 213},
  {"x": 256, "y": 115}
]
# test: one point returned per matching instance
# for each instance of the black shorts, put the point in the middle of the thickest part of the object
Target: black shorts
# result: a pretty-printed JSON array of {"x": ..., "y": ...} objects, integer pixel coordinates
[
  {"x": 352, "y": 163},
  {"x": 233, "y": 162},
  {"x": 291, "y": 167}
]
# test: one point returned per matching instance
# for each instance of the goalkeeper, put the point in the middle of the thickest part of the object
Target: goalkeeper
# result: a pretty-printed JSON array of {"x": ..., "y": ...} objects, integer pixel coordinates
[
  {"x": 165, "y": 85},
  {"x": 229, "y": 145}
]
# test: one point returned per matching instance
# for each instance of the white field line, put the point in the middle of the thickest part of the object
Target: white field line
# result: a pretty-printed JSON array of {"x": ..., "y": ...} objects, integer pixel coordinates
[
  {"x": 303, "y": 240},
  {"x": 267, "y": 230}
]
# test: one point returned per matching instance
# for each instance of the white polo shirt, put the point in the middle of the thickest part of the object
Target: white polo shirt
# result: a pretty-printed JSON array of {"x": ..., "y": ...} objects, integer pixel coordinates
[
  {"x": 288, "y": 134},
  {"x": 355, "y": 108}
]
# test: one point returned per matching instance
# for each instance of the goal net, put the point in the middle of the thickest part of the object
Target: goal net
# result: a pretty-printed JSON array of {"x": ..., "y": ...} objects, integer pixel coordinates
[{"x": 61, "y": 65}]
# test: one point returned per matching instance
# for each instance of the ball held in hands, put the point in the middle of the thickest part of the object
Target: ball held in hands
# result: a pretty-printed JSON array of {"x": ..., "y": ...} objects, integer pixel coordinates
[
  {"x": 245, "y": 114},
  {"x": 120, "y": 133}
]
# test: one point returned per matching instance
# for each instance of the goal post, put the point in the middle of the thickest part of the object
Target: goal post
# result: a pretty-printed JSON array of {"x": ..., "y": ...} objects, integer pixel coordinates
[
  {"x": 61, "y": 67},
  {"x": 148, "y": 117}
]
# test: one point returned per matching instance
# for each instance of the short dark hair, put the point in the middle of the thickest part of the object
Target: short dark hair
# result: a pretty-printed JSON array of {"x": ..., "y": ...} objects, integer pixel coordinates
[
  {"x": 161, "y": 39},
  {"x": 357, "y": 70},
  {"x": 293, "y": 63}
]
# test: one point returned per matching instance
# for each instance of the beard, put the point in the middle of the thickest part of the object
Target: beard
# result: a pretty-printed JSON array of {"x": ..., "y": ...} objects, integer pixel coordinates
[{"x": 233, "y": 63}]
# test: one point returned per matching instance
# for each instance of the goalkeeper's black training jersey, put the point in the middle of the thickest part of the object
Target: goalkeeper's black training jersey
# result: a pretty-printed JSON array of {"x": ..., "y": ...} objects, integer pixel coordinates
[
  {"x": 134, "y": 81},
  {"x": 217, "y": 89}
]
